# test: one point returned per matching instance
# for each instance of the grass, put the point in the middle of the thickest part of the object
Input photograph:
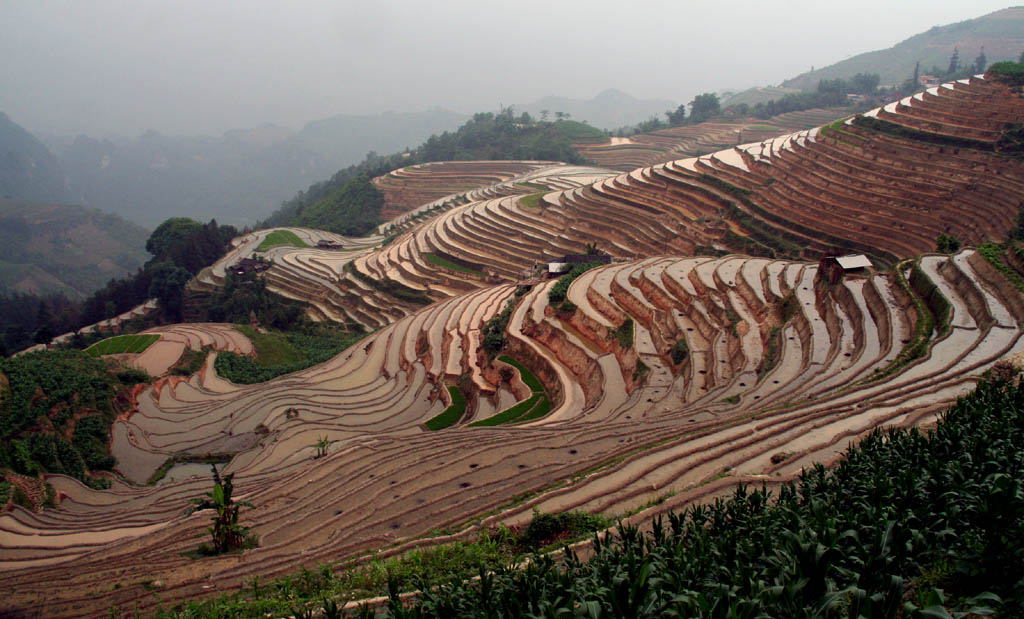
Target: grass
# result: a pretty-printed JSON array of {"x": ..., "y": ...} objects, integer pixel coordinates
[
  {"x": 993, "y": 253},
  {"x": 761, "y": 128},
  {"x": 532, "y": 200},
  {"x": 528, "y": 377},
  {"x": 320, "y": 586},
  {"x": 534, "y": 187},
  {"x": 281, "y": 237},
  {"x": 451, "y": 414},
  {"x": 448, "y": 264},
  {"x": 122, "y": 344},
  {"x": 191, "y": 361},
  {"x": 271, "y": 348},
  {"x": 533, "y": 407},
  {"x": 512, "y": 414}
]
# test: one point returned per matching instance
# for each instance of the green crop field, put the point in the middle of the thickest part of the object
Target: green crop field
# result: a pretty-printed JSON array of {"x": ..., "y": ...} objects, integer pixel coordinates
[
  {"x": 281, "y": 237},
  {"x": 122, "y": 344}
]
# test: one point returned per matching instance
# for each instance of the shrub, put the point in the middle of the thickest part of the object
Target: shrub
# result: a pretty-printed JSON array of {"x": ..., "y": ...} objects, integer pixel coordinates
[
  {"x": 680, "y": 351},
  {"x": 557, "y": 293}
]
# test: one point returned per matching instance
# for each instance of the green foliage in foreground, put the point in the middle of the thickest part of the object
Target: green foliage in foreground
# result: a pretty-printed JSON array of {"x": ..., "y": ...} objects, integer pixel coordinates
[
  {"x": 226, "y": 534},
  {"x": 909, "y": 524},
  {"x": 52, "y": 394},
  {"x": 279, "y": 353},
  {"x": 281, "y": 237},
  {"x": 122, "y": 344},
  {"x": 320, "y": 587},
  {"x": 452, "y": 413}
]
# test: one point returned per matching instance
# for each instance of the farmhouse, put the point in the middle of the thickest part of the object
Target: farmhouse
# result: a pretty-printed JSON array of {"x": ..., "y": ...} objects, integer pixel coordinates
[{"x": 248, "y": 265}]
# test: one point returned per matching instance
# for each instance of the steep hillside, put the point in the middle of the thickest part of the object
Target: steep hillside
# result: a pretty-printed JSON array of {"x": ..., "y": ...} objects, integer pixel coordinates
[
  {"x": 1000, "y": 33},
  {"x": 924, "y": 166},
  {"x": 667, "y": 377},
  {"x": 70, "y": 249},
  {"x": 719, "y": 348},
  {"x": 28, "y": 171}
]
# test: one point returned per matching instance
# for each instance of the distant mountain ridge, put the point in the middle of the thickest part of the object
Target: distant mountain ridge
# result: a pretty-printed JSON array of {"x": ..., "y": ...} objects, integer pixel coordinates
[
  {"x": 28, "y": 170},
  {"x": 238, "y": 178},
  {"x": 1001, "y": 33},
  {"x": 47, "y": 248},
  {"x": 610, "y": 109}
]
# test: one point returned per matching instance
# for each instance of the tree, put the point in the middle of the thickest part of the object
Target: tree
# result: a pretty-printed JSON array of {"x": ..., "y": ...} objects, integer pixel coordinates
[
  {"x": 954, "y": 62},
  {"x": 981, "y": 62},
  {"x": 168, "y": 286},
  {"x": 864, "y": 83},
  {"x": 226, "y": 533},
  {"x": 703, "y": 107},
  {"x": 561, "y": 115},
  {"x": 544, "y": 115},
  {"x": 1021, "y": 59},
  {"x": 321, "y": 445},
  {"x": 917, "y": 73},
  {"x": 947, "y": 244},
  {"x": 678, "y": 116}
]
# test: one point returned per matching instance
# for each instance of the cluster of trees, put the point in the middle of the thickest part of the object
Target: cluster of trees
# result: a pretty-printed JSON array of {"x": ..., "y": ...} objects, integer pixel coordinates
[
  {"x": 830, "y": 93},
  {"x": 181, "y": 247},
  {"x": 957, "y": 69},
  {"x": 56, "y": 412},
  {"x": 353, "y": 209},
  {"x": 707, "y": 106},
  {"x": 348, "y": 203}
]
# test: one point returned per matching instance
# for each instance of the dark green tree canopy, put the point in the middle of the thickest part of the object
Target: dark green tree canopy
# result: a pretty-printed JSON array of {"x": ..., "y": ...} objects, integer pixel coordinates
[{"x": 704, "y": 107}]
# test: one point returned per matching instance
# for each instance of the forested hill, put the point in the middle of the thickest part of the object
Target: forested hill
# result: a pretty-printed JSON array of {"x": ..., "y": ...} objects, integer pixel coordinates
[
  {"x": 48, "y": 248},
  {"x": 1001, "y": 34},
  {"x": 349, "y": 204}
]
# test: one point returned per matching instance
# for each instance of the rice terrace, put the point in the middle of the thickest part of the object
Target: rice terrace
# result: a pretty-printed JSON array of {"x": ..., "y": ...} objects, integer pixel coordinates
[{"x": 685, "y": 342}]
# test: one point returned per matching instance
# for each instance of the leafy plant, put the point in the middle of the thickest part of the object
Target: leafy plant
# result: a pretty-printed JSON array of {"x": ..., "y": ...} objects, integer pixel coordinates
[{"x": 227, "y": 535}]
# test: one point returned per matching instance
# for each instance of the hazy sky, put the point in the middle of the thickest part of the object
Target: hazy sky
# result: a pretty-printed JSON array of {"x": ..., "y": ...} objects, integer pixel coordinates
[{"x": 205, "y": 66}]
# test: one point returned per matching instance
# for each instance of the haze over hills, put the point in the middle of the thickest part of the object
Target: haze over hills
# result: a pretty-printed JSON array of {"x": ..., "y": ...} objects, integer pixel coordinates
[
  {"x": 28, "y": 170},
  {"x": 609, "y": 109},
  {"x": 46, "y": 248},
  {"x": 1000, "y": 33}
]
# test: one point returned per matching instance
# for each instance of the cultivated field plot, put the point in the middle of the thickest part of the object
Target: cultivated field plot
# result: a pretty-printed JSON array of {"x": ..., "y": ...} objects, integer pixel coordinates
[
  {"x": 663, "y": 377},
  {"x": 780, "y": 370},
  {"x": 118, "y": 344}
]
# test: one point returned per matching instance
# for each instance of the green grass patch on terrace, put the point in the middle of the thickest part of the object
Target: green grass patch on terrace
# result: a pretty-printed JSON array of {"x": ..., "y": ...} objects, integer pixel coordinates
[
  {"x": 993, "y": 253},
  {"x": 122, "y": 344},
  {"x": 278, "y": 353},
  {"x": 533, "y": 407},
  {"x": 761, "y": 128},
  {"x": 529, "y": 378},
  {"x": 281, "y": 237},
  {"x": 533, "y": 187},
  {"x": 452, "y": 414},
  {"x": 448, "y": 264},
  {"x": 532, "y": 201},
  {"x": 510, "y": 415}
]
